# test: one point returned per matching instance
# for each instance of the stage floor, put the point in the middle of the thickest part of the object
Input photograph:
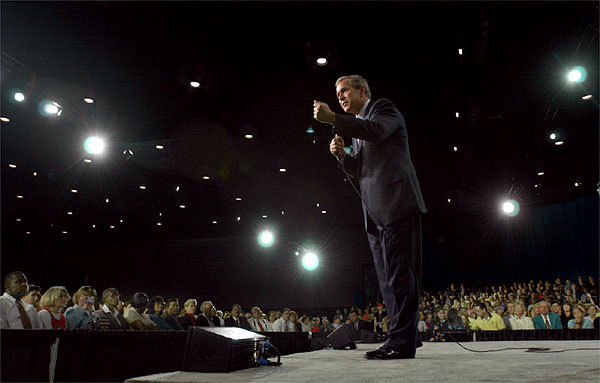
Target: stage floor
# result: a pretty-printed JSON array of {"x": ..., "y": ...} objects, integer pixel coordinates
[{"x": 435, "y": 362}]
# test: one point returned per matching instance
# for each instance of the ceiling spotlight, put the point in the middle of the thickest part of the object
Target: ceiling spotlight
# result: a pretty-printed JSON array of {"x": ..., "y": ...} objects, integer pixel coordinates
[
  {"x": 106, "y": 200},
  {"x": 27, "y": 232},
  {"x": 73, "y": 190},
  {"x": 586, "y": 97},
  {"x": 13, "y": 166},
  {"x": 323, "y": 211},
  {"x": 460, "y": 51},
  {"x": 88, "y": 100},
  {"x": 577, "y": 74},
  {"x": 194, "y": 84},
  {"x": 321, "y": 61},
  {"x": 69, "y": 213},
  {"x": 35, "y": 174},
  {"x": 160, "y": 214},
  {"x": 19, "y": 97},
  {"x": 87, "y": 160},
  {"x": 449, "y": 200},
  {"x": 266, "y": 238},
  {"x": 535, "y": 186},
  {"x": 64, "y": 232},
  {"x": 214, "y": 222},
  {"x": 540, "y": 173},
  {"x": 238, "y": 198},
  {"x": 176, "y": 188},
  {"x": 50, "y": 108},
  {"x": 159, "y": 147},
  {"x": 4, "y": 119},
  {"x": 282, "y": 170},
  {"x": 158, "y": 224},
  {"x": 239, "y": 218},
  {"x": 93, "y": 226},
  {"x": 142, "y": 187},
  {"x": 19, "y": 220},
  {"x": 182, "y": 206},
  {"x": 264, "y": 216},
  {"x": 553, "y": 136},
  {"x": 310, "y": 261},
  {"x": 510, "y": 208},
  {"x": 121, "y": 220},
  {"x": 318, "y": 204},
  {"x": 577, "y": 184},
  {"x": 248, "y": 136},
  {"x": 455, "y": 148},
  {"x": 205, "y": 177},
  {"x": 558, "y": 143},
  {"x": 20, "y": 197},
  {"x": 457, "y": 114},
  {"x": 112, "y": 226},
  {"x": 282, "y": 212},
  {"x": 94, "y": 145}
]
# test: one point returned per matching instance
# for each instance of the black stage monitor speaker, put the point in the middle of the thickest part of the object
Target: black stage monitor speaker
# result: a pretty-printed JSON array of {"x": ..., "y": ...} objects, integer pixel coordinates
[
  {"x": 341, "y": 338},
  {"x": 221, "y": 349}
]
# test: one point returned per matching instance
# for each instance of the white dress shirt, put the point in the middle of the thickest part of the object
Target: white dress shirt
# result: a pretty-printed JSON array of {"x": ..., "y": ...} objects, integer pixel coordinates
[
  {"x": 282, "y": 325},
  {"x": 10, "y": 316},
  {"x": 255, "y": 327},
  {"x": 522, "y": 323}
]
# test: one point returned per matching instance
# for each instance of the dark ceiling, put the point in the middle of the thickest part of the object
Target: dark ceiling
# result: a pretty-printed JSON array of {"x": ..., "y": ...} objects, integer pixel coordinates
[{"x": 256, "y": 66}]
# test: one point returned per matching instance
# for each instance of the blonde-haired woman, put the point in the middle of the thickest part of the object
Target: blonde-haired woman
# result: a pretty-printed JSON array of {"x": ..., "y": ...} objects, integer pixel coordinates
[
  {"x": 520, "y": 321},
  {"x": 189, "y": 318},
  {"x": 52, "y": 302},
  {"x": 80, "y": 315}
]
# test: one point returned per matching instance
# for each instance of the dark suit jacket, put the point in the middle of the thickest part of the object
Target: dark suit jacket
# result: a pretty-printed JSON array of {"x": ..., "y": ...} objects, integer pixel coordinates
[
  {"x": 387, "y": 177},
  {"x": 173, "y": 322},
  {"x": 186, "y": 321},
  {"x": 538, "y": 321},
  {"x": 113, "y": 324},
  {"x": 202, "y": 321},
  {"x": 243, "y": 323}
]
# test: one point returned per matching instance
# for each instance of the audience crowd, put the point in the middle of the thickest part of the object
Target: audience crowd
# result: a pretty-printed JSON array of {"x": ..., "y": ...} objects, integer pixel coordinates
[{"x": 521, "y": 306}]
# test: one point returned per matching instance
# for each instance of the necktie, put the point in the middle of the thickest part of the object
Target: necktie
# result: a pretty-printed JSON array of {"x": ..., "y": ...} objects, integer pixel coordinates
[
  {"x": 547, "y": 322},
  {"x": 260, "y": 325},
  {"x": 24, "y": 317},
  {"x": 237, "y": 322}
]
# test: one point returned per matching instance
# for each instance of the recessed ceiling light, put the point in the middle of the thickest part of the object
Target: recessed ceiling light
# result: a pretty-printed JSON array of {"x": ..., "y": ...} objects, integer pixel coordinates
[
  {"x": 457, "y": 115},
  {"x": 540, "y": 173},
  {"x": 88, "y": 100},
  {"x": 177, "y": 188},
  {"x": 182, "y": 206},
  {"x": 238, "y": 198},
  {"x": 35, "y": 174},
  {"x": 214, "y": 222},
  {"x": 142, "y": 187},
  {"x": 460, "y": 51},
  {"x": 455, "y": 148},
  {"x": 158, "y": 224},
  {"x": 321, "y": 61},
  {"x": 264, "y": 216},
  {"x": 64, "y": 232},
  {"x": 194, "y": 84},
  {"x": 586, "y": 97},
  {"x": 4, "y": 119},
  {"x": 106, "y": 200},
  {"x": 323, "y": 211},
  {"x": 239, "y": 218},
  {"x": 449, "y": 200},
  {"x": 27, "y": 232},
  {"x": 558, "y": 143},
  {"x": 552, "y": 136},
  {"x": 205, "y": 177},
  {"x": 73, "y": 190},
  {"x": 20, "y": 197},
  {"x": 12, "y": 166},
  {"x": 112, "y": 226},
  {"x": 282, "y": 170},
  {"x": 19, "y": 97},
  {"x": 248, "y": 136},
  {"x": 69, "y": 213},
  {"x": 19, "y": 220},
  {"x": 87, "y": 160},
  {"x": 159, "y": 147}
]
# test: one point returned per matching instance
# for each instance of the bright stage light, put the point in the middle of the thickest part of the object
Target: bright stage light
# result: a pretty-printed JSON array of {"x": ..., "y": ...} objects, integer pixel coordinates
[
  {"x": 460, "y": 51},
  {"x": 510, "y": 207},
  {"x": 248, "y": 136},
  {"x": 321, "y": 61},
  {"x": 94, "y": 145},
  {"x": 558, "y": 143},
  {"x": 194, "y": 84},
  {"x": 88, "y": 100},
  {"x": 310, "y": 261},
  {"x": 577, "y": 74},
  {"x": 553, "y": 136},
  {"x": 19, "y": 97},
  {"x": 586, "y": 97},
  {"x": 4, "y": 119},
  {"x": 266, "y": 238}
]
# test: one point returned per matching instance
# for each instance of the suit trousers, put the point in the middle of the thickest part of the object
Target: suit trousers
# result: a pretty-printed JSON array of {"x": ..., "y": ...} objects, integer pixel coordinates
[{"x": 398, "y": 284}]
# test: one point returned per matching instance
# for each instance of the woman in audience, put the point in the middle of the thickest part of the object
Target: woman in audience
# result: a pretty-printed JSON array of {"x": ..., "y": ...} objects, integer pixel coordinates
[
  {"x": 454, "y": 320},
  {"x": 52, "y": 302},
  {"x": 305, "y": 323},
  {"x": 567, "y": 314},
  {"x": 592, "y": 311},
  {"x": 136, "y": 314},
  {"x": 271, "y": 318},
  {"x": 519, "y": 321},
  {"x": 295, "y": 322},
  {"x": 579, "y": 322},
  {"x": 80, "y": 315},
  {"x": 422, "y": 326},
  {"x": 189, "y": 318}
]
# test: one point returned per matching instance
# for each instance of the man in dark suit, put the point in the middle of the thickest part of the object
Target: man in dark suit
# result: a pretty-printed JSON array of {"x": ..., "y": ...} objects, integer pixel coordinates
[
  {"x": 109, "y": 317},
  {"x": 391, "y": 200},
  {"x": 208, "y": 319},
  {"x": 546, "y": 320},
  {"x": 235, "y": 320}
]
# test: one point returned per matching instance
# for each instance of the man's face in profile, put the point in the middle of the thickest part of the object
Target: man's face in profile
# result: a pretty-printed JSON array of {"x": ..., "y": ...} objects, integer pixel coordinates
[{"x": 350, "y": 98}]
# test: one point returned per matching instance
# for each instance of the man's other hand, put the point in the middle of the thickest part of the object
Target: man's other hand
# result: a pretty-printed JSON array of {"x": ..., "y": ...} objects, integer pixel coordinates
[{"x": 336, "y": 147}]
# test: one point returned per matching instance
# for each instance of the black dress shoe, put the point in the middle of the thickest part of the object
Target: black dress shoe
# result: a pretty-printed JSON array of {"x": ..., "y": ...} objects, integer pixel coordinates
[
  {"x": 419, "y": 343},
  {"x": 386, "y": 352},
  {"x": 372, "y": 354}
]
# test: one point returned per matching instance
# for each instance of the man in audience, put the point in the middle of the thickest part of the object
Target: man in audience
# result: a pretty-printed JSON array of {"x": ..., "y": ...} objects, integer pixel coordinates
[
  {"x": 33, "y": 296},
  {"x": 546, "y": 320},
  {"x": 172, "y": 313},
  {"x": 208, "y": 319},
  {"x": 108, "y": 315},
  {"x": 510, "y": 312},
  {"x": 14, "y": 313},
  {"x": 358, "y": 323},
  {"x": 486, "y": 321},
  {"x": 257, "y": 323},
  {"x": 283, "y": 324},
  {"x": 236, "y": 320},
  {"x": 155, "y": 312}
]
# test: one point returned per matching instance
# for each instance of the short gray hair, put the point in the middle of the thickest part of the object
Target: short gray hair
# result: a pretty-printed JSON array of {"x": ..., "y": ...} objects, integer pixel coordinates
[{"x": 357, "y": 82}]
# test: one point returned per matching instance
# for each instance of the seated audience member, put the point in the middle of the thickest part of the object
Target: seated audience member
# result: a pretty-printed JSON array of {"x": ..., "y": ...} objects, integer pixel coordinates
[
  {"x": 155, "y": 312},
  {"x": 439, "y": 322},
  {"x": 80, "y": 315},
  {"x": 519, "y": 321},
  {"x": 326, "y": 326},
  {"x": 283, "y": 324},
  {"x": 208, "y": 318},
  {"x": 336, "y": 323},
  {"x": 579, "y": 322},
  {"x": 378, "y": 319},
  {"x": 305, "y": 323},
  {"x": 172, "y": 314},
  {"x": 52, "y": 302},
  {"x": 315, "y": 324},
  {"x": 510, "y": 312},
  {"x": 358, "y": 323},
  {"x": 556, "y": 308},
  {"x": 108, "y": 315},
  {"x": 271, "y": 318},
  {"x": 422, "y": 326},
  {"x": 235, "y": 320},
  {"x": 546, "y": 320},
  {"x": 136, "y": 314},
  {"x": 454, "y": 321},
  {"x": 295, "y": 322},
  {"x": 567, "y": 314},
  {"x": 219, "y": 315},
  {"x": 34, "y": 293},
  {"x": 592, "y": 312},
  {"x": 189, "y": 318},
  {"x": 366, "y": 315},
  {"x": 14, "y": 313},
  {"x": 486, "y": 321},
  {"x": 257, "y": 323}
]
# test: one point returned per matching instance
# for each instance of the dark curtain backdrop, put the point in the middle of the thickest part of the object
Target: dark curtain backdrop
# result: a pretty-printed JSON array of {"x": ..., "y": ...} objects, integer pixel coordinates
[{"x": 555, "y": 240}]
